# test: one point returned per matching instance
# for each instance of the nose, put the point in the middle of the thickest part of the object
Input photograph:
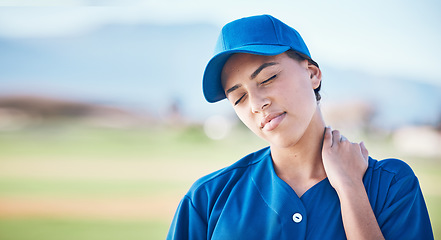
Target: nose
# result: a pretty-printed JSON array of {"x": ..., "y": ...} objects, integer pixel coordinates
[{"x": 259, "y": 103}]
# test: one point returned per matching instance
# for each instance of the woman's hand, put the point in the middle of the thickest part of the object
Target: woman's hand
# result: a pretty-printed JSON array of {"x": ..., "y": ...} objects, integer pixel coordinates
[{"x": 345, "y": 162}]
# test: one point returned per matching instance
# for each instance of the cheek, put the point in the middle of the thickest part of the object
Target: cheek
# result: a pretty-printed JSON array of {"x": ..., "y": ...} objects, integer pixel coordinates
[
  {"x": 299, "y": 96},
  {"x": 305, "y": 106},
  {"x": 300, "y": 103},
  {"x": 248, "y": 120}
]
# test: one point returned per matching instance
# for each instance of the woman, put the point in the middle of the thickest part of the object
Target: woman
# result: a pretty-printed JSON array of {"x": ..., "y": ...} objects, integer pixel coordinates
[{"x": 311, "y": 183}]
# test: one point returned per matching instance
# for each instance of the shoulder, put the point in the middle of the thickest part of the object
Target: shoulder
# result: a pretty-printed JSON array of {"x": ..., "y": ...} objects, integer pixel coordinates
[
  {"x": 388, "y": 174},
  {"x": 397, "y": 200},
  {"x": 230, "y": 174},
  {"x": 214, "y": 189},
  {"x": 396, "y": 167}
]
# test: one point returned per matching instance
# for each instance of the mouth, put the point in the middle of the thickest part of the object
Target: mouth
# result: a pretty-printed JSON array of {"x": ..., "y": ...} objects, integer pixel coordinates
[{"x": 272, "y": 121}]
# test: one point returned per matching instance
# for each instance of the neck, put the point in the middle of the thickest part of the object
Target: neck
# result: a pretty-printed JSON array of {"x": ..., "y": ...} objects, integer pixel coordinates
[{"x": 302, "y": 161}]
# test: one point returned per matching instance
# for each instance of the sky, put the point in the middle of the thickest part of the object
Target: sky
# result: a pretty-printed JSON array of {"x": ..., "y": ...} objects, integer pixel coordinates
[
  {"x": 372, "y": 43},
  {"x": 398, "y": 38}
]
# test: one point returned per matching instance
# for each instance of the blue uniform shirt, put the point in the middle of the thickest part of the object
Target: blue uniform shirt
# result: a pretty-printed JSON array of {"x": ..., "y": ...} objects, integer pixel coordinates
[{"x": 247, "y": 200}]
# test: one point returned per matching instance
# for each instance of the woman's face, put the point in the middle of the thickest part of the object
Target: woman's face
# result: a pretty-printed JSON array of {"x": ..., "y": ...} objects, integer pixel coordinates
[{"x": 272, "y": 95}]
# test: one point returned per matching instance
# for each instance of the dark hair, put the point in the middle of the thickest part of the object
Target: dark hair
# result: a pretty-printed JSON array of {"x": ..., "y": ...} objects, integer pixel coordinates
[{"x": 300, "y": 57}]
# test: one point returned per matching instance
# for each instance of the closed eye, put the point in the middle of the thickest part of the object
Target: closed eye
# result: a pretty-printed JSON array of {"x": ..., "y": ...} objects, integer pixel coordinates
[
  {"x": 268, "y": 80},
  {"x": 239, "y": 100}
]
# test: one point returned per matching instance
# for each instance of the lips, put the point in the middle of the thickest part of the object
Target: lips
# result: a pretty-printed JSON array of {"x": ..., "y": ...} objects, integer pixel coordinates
[{"x": 272, "y": 121}]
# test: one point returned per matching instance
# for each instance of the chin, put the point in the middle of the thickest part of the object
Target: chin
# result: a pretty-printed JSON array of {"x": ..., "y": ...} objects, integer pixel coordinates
[{"x": 282, "y": 142}]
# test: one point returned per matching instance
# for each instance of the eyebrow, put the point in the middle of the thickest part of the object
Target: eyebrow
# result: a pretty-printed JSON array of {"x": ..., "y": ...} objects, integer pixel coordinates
[
  {"x": 259, "y": 69},
  {"x": 233, "y": 88}
]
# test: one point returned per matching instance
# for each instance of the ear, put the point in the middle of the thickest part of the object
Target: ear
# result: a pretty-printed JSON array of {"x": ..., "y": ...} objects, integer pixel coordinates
[{"x": 315, "y": 75}]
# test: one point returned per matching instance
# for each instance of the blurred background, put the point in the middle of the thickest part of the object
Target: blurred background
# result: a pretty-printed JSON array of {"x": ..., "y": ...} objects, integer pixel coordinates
[{"x": 103, "y": 125}]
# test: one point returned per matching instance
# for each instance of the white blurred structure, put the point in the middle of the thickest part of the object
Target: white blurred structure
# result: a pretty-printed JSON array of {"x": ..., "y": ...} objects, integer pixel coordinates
[
  {"x": 217, "y": 127},
  {"x": 422, "y": 141},
  {"x": 350, "y": 117}
]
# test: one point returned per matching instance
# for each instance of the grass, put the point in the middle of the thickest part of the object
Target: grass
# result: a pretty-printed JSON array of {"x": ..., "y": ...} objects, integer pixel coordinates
[
  {"x": 85, "y": 183},
  {"x": 72, "y": 229},
  {"x": 71, "y": 188}
]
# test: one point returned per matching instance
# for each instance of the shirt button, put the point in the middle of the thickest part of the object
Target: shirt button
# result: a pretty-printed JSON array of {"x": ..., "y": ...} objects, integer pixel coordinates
[{"x": 297, "y": 217}]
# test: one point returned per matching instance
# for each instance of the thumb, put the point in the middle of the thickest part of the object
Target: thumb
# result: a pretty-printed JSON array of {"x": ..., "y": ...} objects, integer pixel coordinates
[{"x": 364, "y": 151}]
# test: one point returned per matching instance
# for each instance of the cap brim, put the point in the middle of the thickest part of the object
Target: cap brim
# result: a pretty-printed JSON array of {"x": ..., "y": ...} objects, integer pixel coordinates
[{"x": 211, "y": 83}]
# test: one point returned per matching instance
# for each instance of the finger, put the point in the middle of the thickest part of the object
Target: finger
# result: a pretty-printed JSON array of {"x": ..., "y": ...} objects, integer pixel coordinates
[
  {"x": 343, "y": 138},
  {"x": 327, "y": 140},
  {"x": 364, "y": 151},
  {"x": 335, "y": 137}
]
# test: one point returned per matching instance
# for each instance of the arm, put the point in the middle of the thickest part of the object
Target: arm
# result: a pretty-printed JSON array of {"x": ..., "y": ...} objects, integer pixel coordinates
[
  {"x": 403, "y": 212},
  {"x": 187, "y": 223},
  {"x": 345, "y": 164}
]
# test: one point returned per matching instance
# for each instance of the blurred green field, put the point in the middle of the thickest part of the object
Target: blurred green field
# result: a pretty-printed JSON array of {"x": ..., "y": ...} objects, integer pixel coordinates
[{"x": 78, "y": 182}]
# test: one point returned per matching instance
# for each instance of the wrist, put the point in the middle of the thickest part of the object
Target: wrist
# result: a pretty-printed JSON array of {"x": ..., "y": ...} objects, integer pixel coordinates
[{"x": 349, "y": 187}]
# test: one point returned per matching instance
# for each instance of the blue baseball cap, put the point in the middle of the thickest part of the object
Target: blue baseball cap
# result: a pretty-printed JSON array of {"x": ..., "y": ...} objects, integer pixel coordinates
[{"x": 260, "y": 35}]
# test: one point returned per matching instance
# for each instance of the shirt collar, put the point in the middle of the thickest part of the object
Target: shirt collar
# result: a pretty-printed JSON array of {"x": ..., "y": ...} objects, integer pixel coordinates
[{"x": 275, "y": 192}]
